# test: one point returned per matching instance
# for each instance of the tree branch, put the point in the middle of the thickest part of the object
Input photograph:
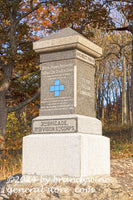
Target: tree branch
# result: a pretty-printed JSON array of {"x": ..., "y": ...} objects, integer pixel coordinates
[
  {"x": 124, "y": 1},
  {"x": 31, "y": 4},
  {"x": 122, "y": 46},
  {"x": 2, "y": 65},
  {"x": 29, "y": 12},
  {"x": 107, "y": 55},
  {"x": 20, "y": 106},
  {"x": 126, "y": 28}
]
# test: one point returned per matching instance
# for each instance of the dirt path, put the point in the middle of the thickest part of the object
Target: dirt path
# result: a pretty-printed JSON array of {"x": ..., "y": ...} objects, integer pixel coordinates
[{"x": 122, "y": 170}]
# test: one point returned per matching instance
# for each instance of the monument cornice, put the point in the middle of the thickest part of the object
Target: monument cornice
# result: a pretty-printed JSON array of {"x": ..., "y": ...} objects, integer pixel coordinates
[{"x": 67, "y": 43}]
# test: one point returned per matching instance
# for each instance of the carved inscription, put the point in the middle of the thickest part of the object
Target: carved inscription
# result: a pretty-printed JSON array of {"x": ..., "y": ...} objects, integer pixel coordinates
[
  {"x": 57, "y": 97},
  {"x": 55, "y": 126},
  {"x": 85, "y": 57},
  {"x": 56, "y": 69},
  {"x": 85, "y": 87}
]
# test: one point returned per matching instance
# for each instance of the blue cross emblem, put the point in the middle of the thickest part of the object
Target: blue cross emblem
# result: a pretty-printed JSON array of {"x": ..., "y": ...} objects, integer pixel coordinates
[{"x": 56, "y": 88}]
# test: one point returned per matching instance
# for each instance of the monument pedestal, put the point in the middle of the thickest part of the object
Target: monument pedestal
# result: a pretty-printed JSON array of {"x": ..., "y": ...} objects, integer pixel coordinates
[{"x": 73, "y": 155}]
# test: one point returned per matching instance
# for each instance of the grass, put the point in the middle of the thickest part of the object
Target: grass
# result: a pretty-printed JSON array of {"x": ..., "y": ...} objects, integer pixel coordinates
[
  {"x": 11, "y": 164},
  {"x": 121, "y": 147},
  {"x": 120, "y": 140}
]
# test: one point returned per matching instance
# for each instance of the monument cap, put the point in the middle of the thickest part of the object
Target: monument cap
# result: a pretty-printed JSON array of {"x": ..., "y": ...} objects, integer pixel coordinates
[{"x": 66, "y": 39}]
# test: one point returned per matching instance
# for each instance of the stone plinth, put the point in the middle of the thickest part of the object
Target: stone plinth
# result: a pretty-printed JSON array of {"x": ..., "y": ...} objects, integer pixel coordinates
[{"x": 74, "y": 155}]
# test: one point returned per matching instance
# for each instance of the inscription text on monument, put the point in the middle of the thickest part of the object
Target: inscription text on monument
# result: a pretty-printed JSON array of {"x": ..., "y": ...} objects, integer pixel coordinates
[{"x": 55, "y": 126}]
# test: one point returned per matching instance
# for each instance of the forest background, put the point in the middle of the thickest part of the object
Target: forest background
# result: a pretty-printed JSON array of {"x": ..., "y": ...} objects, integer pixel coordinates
[{"x": 107, "y": 23}]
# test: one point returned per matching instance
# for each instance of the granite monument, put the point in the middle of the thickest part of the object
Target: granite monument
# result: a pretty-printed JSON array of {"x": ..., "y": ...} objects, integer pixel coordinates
[{"x": 66, "y": 138}]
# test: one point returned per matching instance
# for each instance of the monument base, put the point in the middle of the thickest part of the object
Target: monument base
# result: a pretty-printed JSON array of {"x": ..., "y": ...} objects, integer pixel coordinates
[{"x": 73, "y": 155}]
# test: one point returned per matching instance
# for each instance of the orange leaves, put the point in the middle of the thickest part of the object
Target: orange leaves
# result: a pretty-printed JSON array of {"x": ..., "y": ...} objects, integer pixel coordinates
[
  {"x": 36, "y": 38},
  {"x": 33, "y": 109},
  {"x": 45, "y": 23},
  {"x": 41, "y": 19},
  {"x": 36, "y": 28},
  {"x": 6, "y": 22}
]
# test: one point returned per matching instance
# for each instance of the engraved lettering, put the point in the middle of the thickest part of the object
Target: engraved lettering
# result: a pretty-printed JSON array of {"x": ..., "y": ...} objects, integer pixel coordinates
[
  {"x": 55, "y": 126},
  {"x": 85, "y": 87}
]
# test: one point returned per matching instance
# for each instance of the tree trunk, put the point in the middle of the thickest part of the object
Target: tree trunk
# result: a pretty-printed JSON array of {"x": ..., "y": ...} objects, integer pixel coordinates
[
  {"x": 129, "y": 95},
  {"x": 98, "y": 103},
  {"x": 108, "y": 95},
  {"x": 7, "y": 75},
  {"x": 25, "y": 120},
  {"x": 132, "y": 89},
  {"x": 3, "y": 108},
  {"x": 102, "y": 103},
  {"x": 98, "y": 82},
  {"x": 124, "y": 102},
  {"x": 116, "y": 101},
  {"x": 3, "y": 114}
]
